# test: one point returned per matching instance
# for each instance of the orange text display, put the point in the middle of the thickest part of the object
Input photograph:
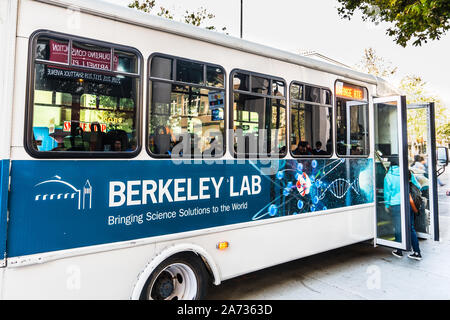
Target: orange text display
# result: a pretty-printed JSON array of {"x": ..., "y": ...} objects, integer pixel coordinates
[{"x": 349, "y": 92}]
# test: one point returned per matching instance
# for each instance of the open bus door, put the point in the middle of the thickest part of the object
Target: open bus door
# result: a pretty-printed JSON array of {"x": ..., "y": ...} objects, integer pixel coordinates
[
  {"x": 422, "y": 143},
  {"x": 391, "y": 173}
]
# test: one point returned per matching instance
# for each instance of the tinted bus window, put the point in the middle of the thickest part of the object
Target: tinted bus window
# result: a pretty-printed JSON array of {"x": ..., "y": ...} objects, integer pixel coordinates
[
  {"x": 215, "y": 77},
  {"x": 352, "y": 120},
  {"x": 190, "y": 72},
  {"x": 311, "y": 121},
  {"x": 83, "y": 106},
  {"x": 52, "y": 49},
  {"x": 259, "y": 115},
  {"x": 162, "y": 68},
  {"x": 187, "y": 116}
]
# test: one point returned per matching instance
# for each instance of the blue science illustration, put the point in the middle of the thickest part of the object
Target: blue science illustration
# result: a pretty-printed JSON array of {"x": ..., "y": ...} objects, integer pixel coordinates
[
  {"x": 58, "y": 205},
  {"x": 305, "y": 186}
]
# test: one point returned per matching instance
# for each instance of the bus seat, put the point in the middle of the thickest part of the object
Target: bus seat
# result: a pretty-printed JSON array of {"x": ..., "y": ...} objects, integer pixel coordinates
[{"x": 162, "y": 141}]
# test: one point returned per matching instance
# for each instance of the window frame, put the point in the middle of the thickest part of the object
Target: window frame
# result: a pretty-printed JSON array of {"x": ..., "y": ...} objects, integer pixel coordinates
[
  {"x": 363, "y": 156},
  {"x": 149, "y": 79},
  {"x": 30, "y": 91},
  {"x": 231, "y": 108},
  {"x": 320, "y": 105}
]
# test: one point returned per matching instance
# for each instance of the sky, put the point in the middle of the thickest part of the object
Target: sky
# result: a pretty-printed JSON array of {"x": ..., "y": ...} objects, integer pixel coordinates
[{"x": 303, "y": 25}]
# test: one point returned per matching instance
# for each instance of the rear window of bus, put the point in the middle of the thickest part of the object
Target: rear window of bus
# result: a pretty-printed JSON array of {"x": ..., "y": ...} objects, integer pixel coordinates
[{"x": 83, "y": 98}]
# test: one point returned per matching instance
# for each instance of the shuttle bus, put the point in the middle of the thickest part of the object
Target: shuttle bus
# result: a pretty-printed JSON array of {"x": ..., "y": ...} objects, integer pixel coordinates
[{"x": 143, "y": 158}]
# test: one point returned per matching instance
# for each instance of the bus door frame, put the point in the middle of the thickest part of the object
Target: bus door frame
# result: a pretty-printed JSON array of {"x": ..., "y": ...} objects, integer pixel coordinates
[
  {"x": 405, "y": 244},
  {"x": 432, "y": 169},
  {"x": 4, "y": 194}
]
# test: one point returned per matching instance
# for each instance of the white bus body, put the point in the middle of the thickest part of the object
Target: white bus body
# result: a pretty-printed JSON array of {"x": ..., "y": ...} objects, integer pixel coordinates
[{"x": 120, "y": 269}]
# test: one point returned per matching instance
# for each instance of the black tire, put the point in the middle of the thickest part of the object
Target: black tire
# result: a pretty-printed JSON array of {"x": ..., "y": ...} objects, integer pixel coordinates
[{"x": 174, "y": 279}]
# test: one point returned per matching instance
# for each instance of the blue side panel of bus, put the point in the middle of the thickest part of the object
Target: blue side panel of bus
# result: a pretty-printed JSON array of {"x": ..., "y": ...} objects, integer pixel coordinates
[
  {"x": 4, "y": 184},
  {"x": 57, "y": 205}
]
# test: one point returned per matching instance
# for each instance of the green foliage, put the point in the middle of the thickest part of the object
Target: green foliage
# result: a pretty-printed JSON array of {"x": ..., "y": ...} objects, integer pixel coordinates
[
  {"x": 198, "y": 18},
  {"x": 414, "y": 88},
  {"x": 146, "y": 5},
  {"x": 421, "y": 20},
  {"x": 165, "y": 13},
  {"x": 376, "y": 65}
]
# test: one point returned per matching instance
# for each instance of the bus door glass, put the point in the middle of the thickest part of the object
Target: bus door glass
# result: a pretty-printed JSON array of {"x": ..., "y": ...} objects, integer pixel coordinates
[
  {"x": 422, "y": 164},
  {"x": 391, "y": 173}
]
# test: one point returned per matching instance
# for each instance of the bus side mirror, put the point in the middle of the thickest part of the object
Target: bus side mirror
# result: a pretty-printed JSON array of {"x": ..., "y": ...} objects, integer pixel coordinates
[{"x": 442, "y": 156}]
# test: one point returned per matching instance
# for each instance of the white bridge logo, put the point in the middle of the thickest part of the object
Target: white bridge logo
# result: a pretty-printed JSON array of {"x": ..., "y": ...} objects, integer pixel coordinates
[{"x": 83, "y": 197}]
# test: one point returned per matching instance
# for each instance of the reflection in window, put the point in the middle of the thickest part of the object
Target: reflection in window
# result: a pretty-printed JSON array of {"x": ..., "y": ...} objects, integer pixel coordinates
[
  {"x": 161, "y": 68},
  {"x": 125, "y": 62},
  {"x": 186, "y": 119},
  {"x": 83, "y": 110},
  {"x": 91, "y": 56},
  {"x": 214, "y": 77},
  {"x": 259, "y": 116},
  {"x": 352, "y": 121},
  {"x": 311, "y": 126},
  {"x": 190, "y": 72},
  {"x": 260, "y": 85},
  {"x": 52, "y": 50}
]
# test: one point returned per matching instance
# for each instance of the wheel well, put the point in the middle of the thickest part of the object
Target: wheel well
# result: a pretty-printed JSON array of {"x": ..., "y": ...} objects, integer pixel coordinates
[
  {"x": 192, "y": 251},
  {"x": 208, "y": 268},
  {"x": 197, "y": 263},
  {"x": 195, "y": 255}
]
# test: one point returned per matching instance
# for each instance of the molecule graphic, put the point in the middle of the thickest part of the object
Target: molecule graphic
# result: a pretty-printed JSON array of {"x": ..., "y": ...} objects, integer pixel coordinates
[
  {"x": 310, "y": 180},
  {"x": 303, "y": 184}
]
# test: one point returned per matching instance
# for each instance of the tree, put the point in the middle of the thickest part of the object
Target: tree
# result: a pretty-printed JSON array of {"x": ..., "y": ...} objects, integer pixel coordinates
[
  {"x": 376, "y": 65},
  {"x": 200, "y": 17},
  {"x": 421, "y": 20},
  {"x": 146, "y": 5},
  {"x": 414, "y": 88}
]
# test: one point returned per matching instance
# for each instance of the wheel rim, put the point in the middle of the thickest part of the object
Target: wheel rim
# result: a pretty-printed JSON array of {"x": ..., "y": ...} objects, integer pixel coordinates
[{"x": 177, "y": 281}]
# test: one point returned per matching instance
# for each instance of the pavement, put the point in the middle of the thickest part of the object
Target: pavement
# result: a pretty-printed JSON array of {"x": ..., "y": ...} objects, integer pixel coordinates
[{"x": 356, "y": 272}]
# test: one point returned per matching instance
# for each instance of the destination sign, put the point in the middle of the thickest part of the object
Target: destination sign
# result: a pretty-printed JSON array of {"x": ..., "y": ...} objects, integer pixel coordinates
[{"x": 350, "y": 91}]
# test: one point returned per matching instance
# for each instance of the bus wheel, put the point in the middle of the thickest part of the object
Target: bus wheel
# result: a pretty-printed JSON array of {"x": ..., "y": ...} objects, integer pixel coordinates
[{"x": 180, "y": 277}]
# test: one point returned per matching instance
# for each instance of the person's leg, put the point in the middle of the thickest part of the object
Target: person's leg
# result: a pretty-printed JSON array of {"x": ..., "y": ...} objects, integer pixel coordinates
[
  {"x": 397, "y": 221},
  {"x": 414, "y": 239}
]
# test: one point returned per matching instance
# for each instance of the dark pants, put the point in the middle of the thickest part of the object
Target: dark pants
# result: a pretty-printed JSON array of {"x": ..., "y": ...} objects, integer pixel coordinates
[
  {"x": 397, "y": 220},
  {"x": 414, "y": 239},
  {"x": 396, "y": 215}
]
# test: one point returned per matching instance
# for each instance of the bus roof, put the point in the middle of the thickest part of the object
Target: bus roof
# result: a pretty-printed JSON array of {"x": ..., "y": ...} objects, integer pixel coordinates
[{"x": 131, "y": 16}]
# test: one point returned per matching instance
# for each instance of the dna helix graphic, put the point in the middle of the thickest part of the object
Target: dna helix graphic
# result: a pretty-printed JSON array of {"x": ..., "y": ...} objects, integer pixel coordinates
[{"x": 340, "y": 187}]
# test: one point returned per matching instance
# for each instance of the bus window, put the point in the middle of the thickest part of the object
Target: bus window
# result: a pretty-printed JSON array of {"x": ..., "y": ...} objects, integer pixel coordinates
[
  {"x": 352, "y": 120},
  {"x": 215, "y": 77},
  {"x": 82, "y": 107},
  {"x": 186, "y": 115},
  {"x": 311, "y": 124},
  {"x": 125, "y": 62},
  {"x": 259, "y": 115},
  {"x": 190, "y": 72},
  {"x": 52, "y": 49},
  {"x": 161, "y": 68}
]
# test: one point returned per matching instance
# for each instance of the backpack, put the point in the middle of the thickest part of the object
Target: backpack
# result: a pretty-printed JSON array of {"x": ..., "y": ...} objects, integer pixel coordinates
[{"x": 415, "y": 198}]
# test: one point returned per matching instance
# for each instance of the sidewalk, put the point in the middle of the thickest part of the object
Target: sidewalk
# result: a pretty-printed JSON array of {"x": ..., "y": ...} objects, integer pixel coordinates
[{"x": 355, "y": 272}]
